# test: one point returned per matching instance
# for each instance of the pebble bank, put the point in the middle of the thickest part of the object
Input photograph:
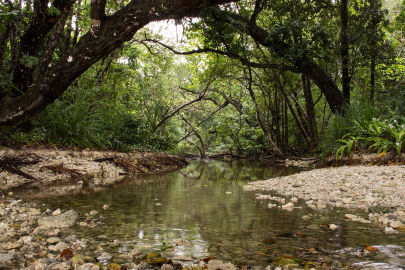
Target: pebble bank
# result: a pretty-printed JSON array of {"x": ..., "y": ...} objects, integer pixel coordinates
[{"x": 379, "y": 190}]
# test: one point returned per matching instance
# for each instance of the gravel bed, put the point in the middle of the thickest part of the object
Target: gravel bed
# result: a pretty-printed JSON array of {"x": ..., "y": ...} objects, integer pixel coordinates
[{"x": 377, "y": 189}]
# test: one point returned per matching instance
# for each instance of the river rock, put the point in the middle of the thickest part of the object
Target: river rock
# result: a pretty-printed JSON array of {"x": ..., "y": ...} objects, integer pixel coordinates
[
  {"x": 57, "y": 212},
  {"x": 71, "y": 238},
  {"x": 347, "y": 200},
  {"x": 60, "y": 266},
  {"x": 350, "y": 216},
  {"x": 44, "y": 231},
  {"x": 59, "y": 247},
  {"x": 178, "y": 242},
  {"x": 4, "y": 257},
  {"x": 144, "y": 265},
  {"x": 53, "y": 240},
  {"x": 389, "y": 230},
  {"x": 217, "y": 264},
  {"x": 137, "y": 255},
  {"x": 288, "y": 206},
  {"x": 333, "y": 226},
  {"x": 12, "y": 245},
  {"x": 396, "y": 224},
  {"x": 183, "y": 258},
  {"x": 67, "y": 219},
  {"x": 5, "y": 238},
  {"x": 81, "y": 259},
  {"x": 26, "y": 239},
  {"x": 166, "y": 267}
]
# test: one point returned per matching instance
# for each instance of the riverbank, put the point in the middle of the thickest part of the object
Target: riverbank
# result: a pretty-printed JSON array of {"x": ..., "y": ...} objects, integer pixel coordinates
[
  {"x": 379, "y": 190},
  {"x": 29, "y": 242},
  {"x": 41, "y": 167}
]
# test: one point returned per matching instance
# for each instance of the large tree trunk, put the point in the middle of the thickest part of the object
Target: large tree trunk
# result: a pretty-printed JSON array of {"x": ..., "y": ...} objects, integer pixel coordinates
[
  {"x": 334, "y": 97},
  {"x": 113, "y": 31}
]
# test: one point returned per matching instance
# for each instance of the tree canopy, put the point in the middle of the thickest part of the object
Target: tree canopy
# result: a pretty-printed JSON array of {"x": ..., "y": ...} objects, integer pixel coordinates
[
  {"x": 41, "y": 68},
  {"x": 251, "y": 77}
]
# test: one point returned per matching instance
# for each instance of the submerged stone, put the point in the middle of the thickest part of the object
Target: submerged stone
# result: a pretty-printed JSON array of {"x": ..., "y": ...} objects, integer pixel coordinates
[{"x": 67, "y": 219}]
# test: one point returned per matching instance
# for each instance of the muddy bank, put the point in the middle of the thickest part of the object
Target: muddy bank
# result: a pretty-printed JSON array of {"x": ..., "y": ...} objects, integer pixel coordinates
[{"x": 41, "y": 167}]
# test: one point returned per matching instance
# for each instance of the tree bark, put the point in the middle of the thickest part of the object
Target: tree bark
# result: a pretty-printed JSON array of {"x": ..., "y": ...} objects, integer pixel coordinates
[
  {"x": 113, "y": 32},
  {"x": 32, "y": 41},
  {"x": 333, "y": 96},
  {"x": 277, "y": 152},
  {"x": 293, "y": 113},
  {"x": 309, "y": 104},
  {"x": 344, "y": 50},
  {"x": 202, "y": 148}
]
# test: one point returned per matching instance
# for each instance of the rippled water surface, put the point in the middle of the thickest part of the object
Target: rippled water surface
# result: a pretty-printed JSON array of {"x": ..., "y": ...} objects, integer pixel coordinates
[{"x": 205, "y": 205}]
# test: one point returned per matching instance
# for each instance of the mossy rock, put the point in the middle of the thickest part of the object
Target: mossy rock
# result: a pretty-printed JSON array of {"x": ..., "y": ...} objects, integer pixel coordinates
[
  {"x": 81, "y": 259},
  {"x": 113, "y": 266}
]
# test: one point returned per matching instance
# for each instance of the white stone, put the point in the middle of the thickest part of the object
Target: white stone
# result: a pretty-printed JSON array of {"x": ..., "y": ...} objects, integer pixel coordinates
[
  {"x": 289, "y": 205},
  {"x": 346, "y": 200},
  {"x": 389, "y": 230},
  {"x": 333, "y": 226},
  {"x": 183, "y": 258},
  {"x": 396, "y": 224},
  {"x": 59, "y": 247},
  {"x": 57, "y": 212},
  {"x": 12, "y": 245},
  {"x": 26, "y": 239},
  {"x": 53, "y": 240},
  {"x": 61, "y": 266}
]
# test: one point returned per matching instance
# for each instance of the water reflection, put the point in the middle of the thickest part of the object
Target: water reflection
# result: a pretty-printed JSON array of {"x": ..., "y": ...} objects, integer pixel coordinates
[{"x": 204, "y": 209}]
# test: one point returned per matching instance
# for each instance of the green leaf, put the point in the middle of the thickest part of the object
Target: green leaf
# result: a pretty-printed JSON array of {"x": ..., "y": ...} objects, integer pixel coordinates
[{"x": 53, "y": 11}]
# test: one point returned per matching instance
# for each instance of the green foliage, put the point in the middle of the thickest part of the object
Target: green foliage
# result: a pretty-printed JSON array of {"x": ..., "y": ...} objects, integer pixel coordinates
[
  {"x": 6, "y": 15},
  {"x": 375, "y": 134},
  {"x": 53, "y": 11},
  {"x": 143, "y": 85},
  {"x": 349, "y": 144},
  {"x": 388, "y": 136},
  {"x": 29, "y": 61},
  {"x": 74, "y": 124}
]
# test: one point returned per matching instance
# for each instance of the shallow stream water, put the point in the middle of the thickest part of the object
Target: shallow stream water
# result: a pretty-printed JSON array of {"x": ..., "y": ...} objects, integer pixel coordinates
[{"x": 205, "y": 210}]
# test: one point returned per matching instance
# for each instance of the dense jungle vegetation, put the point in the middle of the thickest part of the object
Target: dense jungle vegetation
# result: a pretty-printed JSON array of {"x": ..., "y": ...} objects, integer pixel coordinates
[{"x": 253, "y": 77}]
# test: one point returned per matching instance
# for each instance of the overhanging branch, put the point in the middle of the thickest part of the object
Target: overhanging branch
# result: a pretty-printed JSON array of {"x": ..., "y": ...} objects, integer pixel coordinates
[{"x": 243, "y": 61}]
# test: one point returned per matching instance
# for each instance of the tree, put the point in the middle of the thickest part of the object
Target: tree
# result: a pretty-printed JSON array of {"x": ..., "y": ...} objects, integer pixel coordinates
[
  {"x": 42, "y": 72},
  {"x": 294, "y": 44}
]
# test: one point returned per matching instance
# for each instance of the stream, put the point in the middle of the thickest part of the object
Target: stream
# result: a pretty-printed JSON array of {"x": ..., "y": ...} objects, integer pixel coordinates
[{"x": 203, "y": 211}]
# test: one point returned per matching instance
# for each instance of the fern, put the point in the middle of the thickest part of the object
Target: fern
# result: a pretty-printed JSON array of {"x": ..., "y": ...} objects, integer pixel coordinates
[{"x": 53, "y": 11}]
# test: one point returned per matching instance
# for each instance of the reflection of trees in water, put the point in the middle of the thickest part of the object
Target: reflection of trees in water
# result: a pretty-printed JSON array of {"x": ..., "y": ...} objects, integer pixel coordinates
[
  {"x": 199, "y": 170},
  {"x": 193, "y": 199},
  {"x": 192, "y": 204},
  {"x": 235, "y": 170}
]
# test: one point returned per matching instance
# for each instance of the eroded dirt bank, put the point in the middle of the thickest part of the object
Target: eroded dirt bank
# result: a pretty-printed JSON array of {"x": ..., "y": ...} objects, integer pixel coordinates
[{"x": 38, "y": 167}]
